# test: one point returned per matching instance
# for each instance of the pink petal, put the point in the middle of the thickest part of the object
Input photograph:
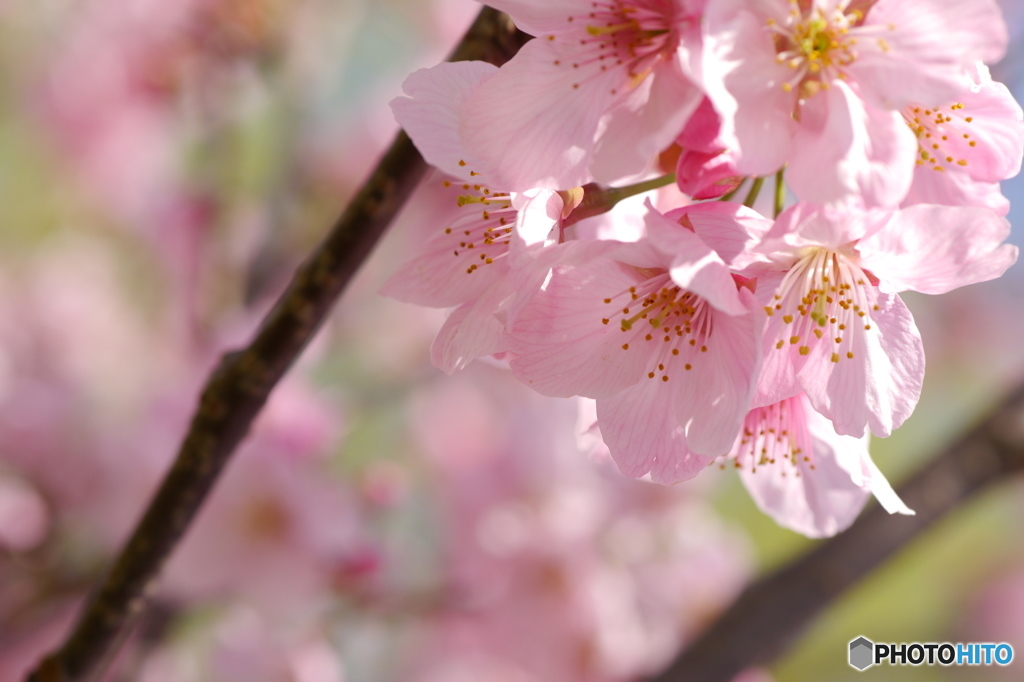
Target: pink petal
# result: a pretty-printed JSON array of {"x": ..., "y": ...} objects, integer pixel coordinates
[
  {"x": 979, "y": 138},
  {"x": 702, "y": 130},
  {"x": 861, "y": 469},
  {"x": 818, "y": 503},
  {"x": 564, "y": 348},
  {"x": 927, "y": 43},
  {"x": 534, "y": 123},
  {"x": 429, "y": 115},
  {"x": 644, "y": 123},
  {"x": 533, "y": 250},
  {"x": 777, "y": 379},
  {"x": 955, "y": 189},
  {"x": 995, "y": 127},
  {"x": 744, "y": 82},
  {"x": 935, "y": 249},
  {"x": 705, "y": 175},
  {"x": 470, "y": 332},
  {"x": 641, "y": 431},
  {"x": 807, "y": 225},
  {"x": 859, "y": 150},
  {"x": 540, "y": 212},
  {"x": 713, "y": 398},
  {"x": 818, "y": 481},
  {"x": 541, "y": 16},
  {"x": 883, "y": 491},
  {"x": 439, "y": 279},
  {"x": 695, "y": 266},
  {"x": 531, "y": 265},
  {"x": 880, "y": 386},
  {"x": 727, "y": 227}
]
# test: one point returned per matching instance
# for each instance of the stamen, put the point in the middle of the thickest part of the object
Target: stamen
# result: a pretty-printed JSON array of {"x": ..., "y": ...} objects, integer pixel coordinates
[
  {"x": 684, "y": 317},
  {"x": 817, "y": 46},
  {"x": 776, "y": 435},
  {"x": 822, "y": 293},
  {"x": 630, "y": 36}
]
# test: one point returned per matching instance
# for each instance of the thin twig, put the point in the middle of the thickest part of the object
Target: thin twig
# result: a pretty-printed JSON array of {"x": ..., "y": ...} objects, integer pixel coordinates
[
  {"x": 771, "y": 613},
  {"x": 241, "y": 384},
  {"x": 780, "y": 192},
  {"x": 755, "y": 190}
]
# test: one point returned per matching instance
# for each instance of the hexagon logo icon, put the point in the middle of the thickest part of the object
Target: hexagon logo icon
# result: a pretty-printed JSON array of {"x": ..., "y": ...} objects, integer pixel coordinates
[{"x": 862, "y": 653}]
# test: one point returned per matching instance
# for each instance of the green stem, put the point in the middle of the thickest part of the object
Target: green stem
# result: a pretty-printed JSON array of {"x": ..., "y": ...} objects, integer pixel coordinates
[
  {"x": 617, "y": 194},
  {"x": 780, "y": 191},
  {"x": 597, "y": 200},
  {"x": 755, "y": 189}
]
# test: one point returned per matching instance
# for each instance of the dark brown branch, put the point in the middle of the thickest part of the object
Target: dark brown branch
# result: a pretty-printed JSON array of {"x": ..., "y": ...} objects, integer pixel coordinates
[
  {"x": 772, "y": 612},
  {"x": 239, "y": 387}
]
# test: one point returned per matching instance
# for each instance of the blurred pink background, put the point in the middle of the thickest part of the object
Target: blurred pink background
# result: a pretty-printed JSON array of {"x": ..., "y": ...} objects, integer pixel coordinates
[{"x": 163, "y": 168}]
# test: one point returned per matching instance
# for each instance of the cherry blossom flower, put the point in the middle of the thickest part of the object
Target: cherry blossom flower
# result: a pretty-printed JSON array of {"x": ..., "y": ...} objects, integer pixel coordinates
[
  {"x": 804, "y": 475},
  {"x": 822, "y": 85},
  {"x": 967, "y": 147},
  {"x": 601, "y": 91},
  {"x": 483, "y": 262},
  {"x": 659, "y": 332},
  {"x": 465, "y": 265},
  {"x": 837, "y": 329}
]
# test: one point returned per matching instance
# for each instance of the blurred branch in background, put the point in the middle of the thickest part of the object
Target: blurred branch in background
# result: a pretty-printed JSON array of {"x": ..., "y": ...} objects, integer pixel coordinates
[
  {"x": 239, "y": 387},
  {"x": 764, "y": 621}
]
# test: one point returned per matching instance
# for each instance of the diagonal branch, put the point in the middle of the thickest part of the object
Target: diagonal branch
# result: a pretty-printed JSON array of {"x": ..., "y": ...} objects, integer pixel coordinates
[
  {"x": 771, "y": 613},
  {"x": 238, "y": 388}
]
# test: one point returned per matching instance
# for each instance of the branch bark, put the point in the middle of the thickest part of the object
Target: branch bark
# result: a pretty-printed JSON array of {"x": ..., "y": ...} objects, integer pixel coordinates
[
  {"x": 241, "y": 384},
  {"x": 772, "y": 612}
]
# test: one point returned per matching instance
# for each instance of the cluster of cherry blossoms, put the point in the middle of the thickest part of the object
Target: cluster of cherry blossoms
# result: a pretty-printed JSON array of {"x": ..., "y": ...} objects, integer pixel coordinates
[{"x": 704, "y": 331}]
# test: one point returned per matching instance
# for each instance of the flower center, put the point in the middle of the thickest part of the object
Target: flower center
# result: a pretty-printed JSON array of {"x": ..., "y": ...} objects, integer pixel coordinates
[
  {"x": 673, "y": 323},
  {"x": 484, "y": 228},
  {"x": 774, "y": 435},
  {"x": 824, "y": 298},
  {"x": 940, "y": 135},
  {"x": 630, "y": 36},
  {"x": 818, "y": 45}
]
